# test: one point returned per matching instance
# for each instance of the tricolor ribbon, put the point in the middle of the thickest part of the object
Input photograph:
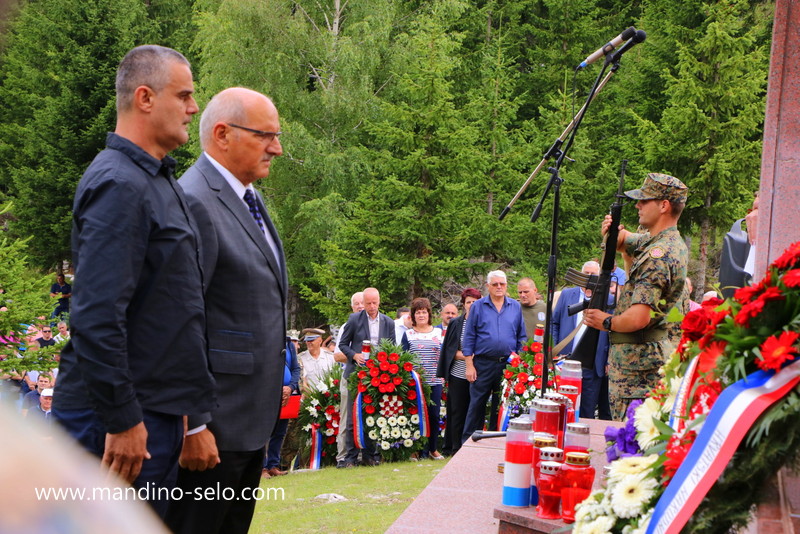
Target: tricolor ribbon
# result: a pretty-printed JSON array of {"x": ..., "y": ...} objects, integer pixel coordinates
[
  {"x": 503, "y": 411},
  {"x": 316, "y": 447},
  {"x": 422, "y": 407},
  {"x": 677, "y": 417},
  {"x": 358, "y": 423},
  {"x": 728, "y": 422}
]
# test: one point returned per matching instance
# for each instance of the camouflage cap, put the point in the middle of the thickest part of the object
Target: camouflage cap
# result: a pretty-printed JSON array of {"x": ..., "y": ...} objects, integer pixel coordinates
[{"x": 659, "y": 186}]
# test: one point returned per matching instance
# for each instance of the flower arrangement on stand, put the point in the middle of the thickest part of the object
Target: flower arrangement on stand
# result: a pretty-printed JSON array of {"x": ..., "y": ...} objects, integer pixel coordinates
[
  {"x": 723, "y": 420},
  {"x": 389, "y": 400},
  {"x": 522, "y": 382},
  {"x": 319, "y": 416}
]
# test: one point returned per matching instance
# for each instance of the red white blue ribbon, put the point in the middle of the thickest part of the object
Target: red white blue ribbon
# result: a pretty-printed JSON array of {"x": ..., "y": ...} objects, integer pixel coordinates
[
  {"x": 677, "y": 417},
  {"x": 728, "y": 422},
  {"x": 316, "y": 447},
  {"x": 503, "y": 413},
  {"x": 358, "y": 423},
  {"x": 422, "y": 407}
]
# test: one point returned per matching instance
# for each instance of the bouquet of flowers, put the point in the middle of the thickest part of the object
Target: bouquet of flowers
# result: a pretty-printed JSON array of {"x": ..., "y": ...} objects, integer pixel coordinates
[
  {"x": 522, "y": 381},
  {"x": 389, "y": 400},
  {"x": 730, "y": 352},
  {"x": 319, "y": 416}
]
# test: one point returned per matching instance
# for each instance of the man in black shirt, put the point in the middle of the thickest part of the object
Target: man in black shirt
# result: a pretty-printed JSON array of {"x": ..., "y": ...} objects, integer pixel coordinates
[
  {"x": 136, "y": 362},
  {"x": 62, "y": 291}
]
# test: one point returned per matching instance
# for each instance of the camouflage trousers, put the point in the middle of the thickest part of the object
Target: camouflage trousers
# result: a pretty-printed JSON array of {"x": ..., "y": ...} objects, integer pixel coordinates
[{"x": 626, "y": 384}]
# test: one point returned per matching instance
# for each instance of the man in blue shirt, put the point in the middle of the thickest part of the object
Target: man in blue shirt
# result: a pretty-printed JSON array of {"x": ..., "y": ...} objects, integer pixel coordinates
[{"x": 494, "y": 329}]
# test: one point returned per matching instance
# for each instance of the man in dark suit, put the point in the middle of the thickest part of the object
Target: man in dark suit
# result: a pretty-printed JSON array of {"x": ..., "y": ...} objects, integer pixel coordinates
[
  {"x": 594, "y": 390},
  {"x": 369, "y": 324},
  {"x": 136, "y": 360},
  {"x": 245, "y": 284}
]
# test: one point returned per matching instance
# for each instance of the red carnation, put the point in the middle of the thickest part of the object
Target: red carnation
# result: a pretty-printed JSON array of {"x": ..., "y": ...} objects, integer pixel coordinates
[
  {"x": 413, "y": 410},
  {"x": 397, "y": 380},
  {"x": 536, "y": 346},
  {"x": 361, "y": 375},
  {"x": 336, "y": 382},
  {"x": 537, "y": 383},
  {"x": 772, "y": 293},
  {"x": 367, "y": 399},
  {"x": 515, "y": 362},
  {"x": 389, "y": 388},
  {"x": 525, "y": 348},
  {"x": 538, "y": 357},
  {"x": 369, "y": 409},
  {"x": 509, "y": 374},
  {"x": 375, "y": 382},
  {"x": 382, "y": 356},
  {"x": 519, "y": 389},
  {"x": 330, "y": 410},
  {"x": 382, "y": 388},
  {"x": 328, "y": 424},
  {"x": 384, "y": 366},
  {"x": 362, "y": 388},
  {"x": 393, "y": 357},
  {"x": 537, "y": 369},
  {"x": 747, "y": 293},
  {"x": 522, "y": 378},
  {"x": 411, "y": 394},
  {"x": 677, "y": 449},
  {"x": 408, "y": 366},
  {"x": 412, "y": 382},
  {"x": 777, "y": 350},
  {"x": 327, "y": 393},
  {"x": 394, "y": 368},
  {"x": 330, "y": 440},
  {"x": 370, "y": 364},
  {"x": 374, "y": 372},
  {"x": 385, "y": 378}
]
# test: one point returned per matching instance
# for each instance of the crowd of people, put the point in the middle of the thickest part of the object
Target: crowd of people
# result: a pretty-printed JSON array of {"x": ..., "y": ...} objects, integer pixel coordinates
[{"x": 178, "y": 366}]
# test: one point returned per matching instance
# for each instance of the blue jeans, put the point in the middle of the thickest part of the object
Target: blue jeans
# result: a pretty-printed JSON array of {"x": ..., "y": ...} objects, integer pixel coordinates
[
  {"x": 273, "y": 458},
  {"x": 490, "y": 374},
  {"x": 164, "y": 442}
]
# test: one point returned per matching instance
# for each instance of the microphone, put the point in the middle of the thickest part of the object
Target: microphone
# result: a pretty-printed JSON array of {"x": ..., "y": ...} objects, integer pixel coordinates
[
  {"x": 639, "y": 37},
  {"x": 608, "y": 47}
]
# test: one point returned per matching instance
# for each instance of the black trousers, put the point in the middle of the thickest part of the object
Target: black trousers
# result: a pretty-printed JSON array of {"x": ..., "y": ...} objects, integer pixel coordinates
[
  {"x": 457, "y": 405},
  {"x": 230, "y": 511}
]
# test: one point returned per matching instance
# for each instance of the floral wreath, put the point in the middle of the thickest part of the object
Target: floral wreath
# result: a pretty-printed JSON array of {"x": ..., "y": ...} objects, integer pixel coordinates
[{"x": 319, "y": 415}]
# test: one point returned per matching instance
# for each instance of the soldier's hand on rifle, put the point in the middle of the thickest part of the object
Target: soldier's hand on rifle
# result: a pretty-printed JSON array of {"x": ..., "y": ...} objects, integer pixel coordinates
[{"x": 622, "y": 232}]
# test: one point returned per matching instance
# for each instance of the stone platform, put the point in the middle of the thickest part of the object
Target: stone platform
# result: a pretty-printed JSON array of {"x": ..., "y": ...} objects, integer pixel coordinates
[{"x": 465, "y": 497}]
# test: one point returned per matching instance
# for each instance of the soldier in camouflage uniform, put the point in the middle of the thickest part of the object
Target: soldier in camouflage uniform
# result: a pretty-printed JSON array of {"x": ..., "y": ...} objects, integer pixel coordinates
[{"x": 641, "y": 339}]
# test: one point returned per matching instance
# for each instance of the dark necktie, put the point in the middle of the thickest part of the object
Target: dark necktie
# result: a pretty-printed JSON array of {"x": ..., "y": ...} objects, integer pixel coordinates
[{"x": 254, "y": 211}]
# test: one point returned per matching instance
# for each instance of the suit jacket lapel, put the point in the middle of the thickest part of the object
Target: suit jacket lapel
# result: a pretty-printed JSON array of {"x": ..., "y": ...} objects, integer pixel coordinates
[
  {"x": 236, "y": 206},
  {"x": 280, "y": 261}
]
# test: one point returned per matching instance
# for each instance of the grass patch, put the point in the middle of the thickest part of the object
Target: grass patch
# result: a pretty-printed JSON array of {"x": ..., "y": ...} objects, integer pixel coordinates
[{"x": 376, "y": 496}]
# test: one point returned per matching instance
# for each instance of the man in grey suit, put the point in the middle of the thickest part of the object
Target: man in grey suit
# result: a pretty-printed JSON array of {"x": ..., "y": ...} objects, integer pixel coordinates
[
  {"x": 370, "y": 324},
  {"x": 245, "y": 284}
]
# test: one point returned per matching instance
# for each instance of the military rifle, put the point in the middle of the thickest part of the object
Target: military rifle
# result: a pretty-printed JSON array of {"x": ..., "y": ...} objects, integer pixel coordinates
[{"x": 600, "y": 285}]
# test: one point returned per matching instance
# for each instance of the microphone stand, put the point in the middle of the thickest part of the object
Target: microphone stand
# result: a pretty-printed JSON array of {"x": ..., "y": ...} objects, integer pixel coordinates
[
  {"x": 555, "y": 184},
  {"x": 555, "y": 149}
]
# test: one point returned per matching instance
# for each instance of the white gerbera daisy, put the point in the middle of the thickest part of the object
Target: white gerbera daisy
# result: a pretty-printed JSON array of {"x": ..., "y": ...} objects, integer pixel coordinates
[
  {"x": 589, "y": 509},
  {"x": 601, "y": 525},
  {"x": 416, "y": 434},
  {"x": 402, "y": 420},
  {"x": 328, "y": 431},
  {"x": 408, "y": 443},
  {"x": 631, "y": 494},
  {"x": 385, "y": 432},
  {"x": 373, "y": 434},
  {"x": 406, "y": 433},
  {"x": 631, "y": 465},
  {"x": 415, "y": 419},
  {"x": 643, "y": 421},
  {"x": 381, "y": 422},
  {"x": 392, "y": 421},
  {"x": 396, "y": 433},
  {"x": 385, "y": 445},
  {"x": 369, "y": 421}
]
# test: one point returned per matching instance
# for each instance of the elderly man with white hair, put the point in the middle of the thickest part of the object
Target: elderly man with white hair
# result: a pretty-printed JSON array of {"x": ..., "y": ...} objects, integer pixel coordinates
[{"x": 494, "y": 329}]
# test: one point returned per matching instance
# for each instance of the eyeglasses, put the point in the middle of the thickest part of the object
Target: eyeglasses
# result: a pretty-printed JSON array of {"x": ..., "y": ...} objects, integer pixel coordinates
[
  {"x": 261, "y": 134},
  {"x": 46, "y": 331},
  {"x": 498, "y": 284}
]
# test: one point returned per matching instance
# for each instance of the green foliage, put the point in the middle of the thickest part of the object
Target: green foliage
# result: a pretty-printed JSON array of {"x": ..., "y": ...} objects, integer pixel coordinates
[{"x": 25, "y": 298}]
